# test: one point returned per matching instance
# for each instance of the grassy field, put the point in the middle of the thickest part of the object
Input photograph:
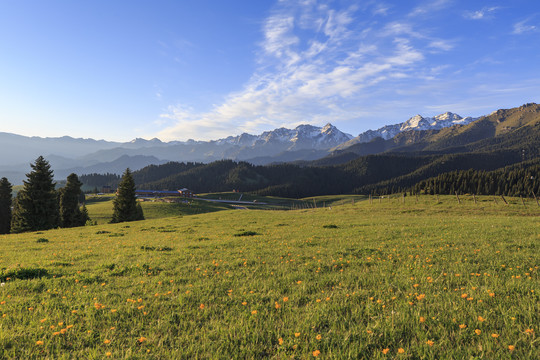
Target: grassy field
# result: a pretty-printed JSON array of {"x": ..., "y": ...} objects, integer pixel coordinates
[
  {"x": 100, "y": 208},
  {"x": 425, "y": 279}
]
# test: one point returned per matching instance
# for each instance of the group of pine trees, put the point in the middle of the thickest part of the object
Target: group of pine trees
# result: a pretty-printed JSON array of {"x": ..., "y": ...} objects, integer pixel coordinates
[
  {"x": 510, "y": 181},
  {"x": 38, "y": 206}
]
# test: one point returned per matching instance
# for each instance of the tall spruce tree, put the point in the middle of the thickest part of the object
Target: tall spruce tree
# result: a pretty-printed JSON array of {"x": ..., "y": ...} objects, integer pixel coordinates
[
  {"x": 36, "y": 205},
  {"x": 125, "y": 206},
  {"x": 70, "y": 196},
  {"x": 5, "y": 206}
]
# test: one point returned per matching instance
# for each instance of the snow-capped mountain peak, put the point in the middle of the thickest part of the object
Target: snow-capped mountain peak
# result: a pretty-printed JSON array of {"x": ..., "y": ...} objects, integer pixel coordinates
[
  {"x": 303, "y": 136},
  {"x": 415, "y": 123},
  {"x": 447, "y": 116}
]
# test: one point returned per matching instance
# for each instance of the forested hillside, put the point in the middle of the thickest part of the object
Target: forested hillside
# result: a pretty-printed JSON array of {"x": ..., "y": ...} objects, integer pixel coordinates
[{"x": 494, "y": 142}]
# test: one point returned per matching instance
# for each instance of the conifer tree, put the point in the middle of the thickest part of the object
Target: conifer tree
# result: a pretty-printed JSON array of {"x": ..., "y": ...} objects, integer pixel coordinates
[
  {"x": 70, "y": 195},
  {"x": 84, "y": 217},
  {"x": 126, "y": 207},
  {"x": 5, "y": 206},
  {"x": 36, "y": 206}
]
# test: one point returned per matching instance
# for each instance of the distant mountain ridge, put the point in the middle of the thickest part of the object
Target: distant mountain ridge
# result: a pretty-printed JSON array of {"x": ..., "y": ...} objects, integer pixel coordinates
[
  {"x": 301, "y": 137},
  {"x": 416, "y": 123},
  {"x": 305, "y": 144}
]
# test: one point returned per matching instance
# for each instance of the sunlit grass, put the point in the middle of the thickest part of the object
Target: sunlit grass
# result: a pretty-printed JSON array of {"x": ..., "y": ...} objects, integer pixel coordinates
[{"x": 426, "y": 278}]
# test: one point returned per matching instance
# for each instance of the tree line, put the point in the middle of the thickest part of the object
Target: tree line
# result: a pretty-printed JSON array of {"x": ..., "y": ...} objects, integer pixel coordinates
[
  {"x": 510, "y": 181},
  {"x": 39, "y": 206}
]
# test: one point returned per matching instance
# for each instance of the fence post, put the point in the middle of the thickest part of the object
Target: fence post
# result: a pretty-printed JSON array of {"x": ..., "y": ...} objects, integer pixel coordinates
[{"x": 535, "y": 198}]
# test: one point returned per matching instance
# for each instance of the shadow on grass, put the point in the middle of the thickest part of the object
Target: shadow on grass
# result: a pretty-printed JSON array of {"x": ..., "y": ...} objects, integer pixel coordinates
[{"x": 24, "y": 274}]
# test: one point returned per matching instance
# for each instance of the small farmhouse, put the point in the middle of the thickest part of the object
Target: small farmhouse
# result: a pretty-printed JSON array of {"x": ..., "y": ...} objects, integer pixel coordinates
[{"x": 186, "y": 193}]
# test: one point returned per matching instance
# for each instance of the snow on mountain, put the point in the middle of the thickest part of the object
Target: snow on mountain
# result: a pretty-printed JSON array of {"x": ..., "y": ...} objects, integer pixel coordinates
[
  {"x": 301, "y": 137},
  {"x": 415, "y": 123}
]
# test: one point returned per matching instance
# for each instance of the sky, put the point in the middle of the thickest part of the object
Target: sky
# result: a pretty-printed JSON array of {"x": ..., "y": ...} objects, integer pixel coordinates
[{"x": 208, "y": 69}]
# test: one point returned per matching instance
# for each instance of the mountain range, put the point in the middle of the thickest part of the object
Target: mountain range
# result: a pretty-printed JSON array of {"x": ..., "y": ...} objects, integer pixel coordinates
[
  {"x": 305, "y": 144},
  {"x": 498, "y": 154}
]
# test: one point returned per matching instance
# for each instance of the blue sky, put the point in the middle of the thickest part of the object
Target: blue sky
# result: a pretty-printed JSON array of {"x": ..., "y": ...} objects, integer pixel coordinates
[{"x": 204, "y": 69}]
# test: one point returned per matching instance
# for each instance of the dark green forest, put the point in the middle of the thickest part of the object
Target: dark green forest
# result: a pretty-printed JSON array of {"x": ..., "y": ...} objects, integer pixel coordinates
[{"x": 495, "y": 155}]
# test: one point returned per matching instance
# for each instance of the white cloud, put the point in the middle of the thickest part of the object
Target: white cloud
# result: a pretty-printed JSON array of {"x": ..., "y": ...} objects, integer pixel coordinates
[
  {"x": 381, "y": 9},
  {"x": 443, "y": 45},
  {"x": 522, "y": 27},
  {"x": 484, "y": 13},
  {"x": 400, "y": 28},
  {"x": 317, "y": 64},
  {"x": 429, "y": 7}
]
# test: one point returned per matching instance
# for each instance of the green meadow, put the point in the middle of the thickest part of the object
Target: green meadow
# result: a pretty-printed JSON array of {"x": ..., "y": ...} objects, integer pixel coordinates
[{"x": 334, "y": 278}]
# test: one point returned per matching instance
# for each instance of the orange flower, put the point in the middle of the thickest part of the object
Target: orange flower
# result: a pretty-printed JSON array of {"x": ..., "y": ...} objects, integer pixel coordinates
[
  {"x": 385, "y": 351},
  {"x": 401, "y": 350},
  {"x": 201, "y": 306},
  {"x": 244, "y": 303},
  {"x": 481, "y": 319},
  {"x": 477, "y": 331},
  {"x": 296, "y": 334},
  {"x": 280, "y": 340},
  {"x": 422, "y": 319},
  {"x": 494, "y": 336},
  {"x": 318, "y": 337},
  {"x": 285, "y": 299},
  {"x": 107, "y": 341},
  {"x": 430, "y": 343},
  {"x": 108, "y": 354},
  {"x": 316, "y": 353},
  {"x": 511, "y": 347},
  {"x": 141, "y": 339},
  {"x": 254, "y": 312},
  {"x": 462, "y": 326},
  {"x": 39, "y": 342}
]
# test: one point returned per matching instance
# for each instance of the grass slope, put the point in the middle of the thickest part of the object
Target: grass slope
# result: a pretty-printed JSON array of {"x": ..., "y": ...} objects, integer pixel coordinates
[
  {"x": 377, "y": 280},
  {"x": 100, "y": 208}
]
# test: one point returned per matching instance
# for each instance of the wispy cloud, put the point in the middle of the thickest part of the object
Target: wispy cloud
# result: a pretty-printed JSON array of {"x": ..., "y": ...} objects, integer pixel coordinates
[
  {"x": 482, "y": 14},
  {"x": 316, "y": 64},
  {"x": 381, "y": 9},
  {"x": 429, "y": 7},
  {"x": 524, "y": 26}
]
